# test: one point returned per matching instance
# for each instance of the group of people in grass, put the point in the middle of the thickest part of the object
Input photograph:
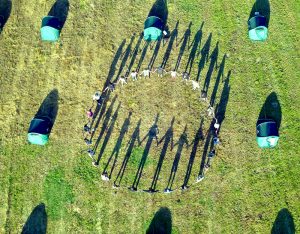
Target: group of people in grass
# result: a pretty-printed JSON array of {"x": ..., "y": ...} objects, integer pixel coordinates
[
  {"x": 146, "y": 73},
  {"x": 99, "y": 98}
]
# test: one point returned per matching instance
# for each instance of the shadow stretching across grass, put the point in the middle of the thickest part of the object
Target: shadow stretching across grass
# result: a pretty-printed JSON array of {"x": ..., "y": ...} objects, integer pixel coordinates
[
  {"x": 172, "y": 38},
  {"x": 204, "y": 56},
  {"x": 263, "y": 7},
  {"x": 183, "y": 140},
  {"x": 108, "y": 134},
  {"x": 125, "y": 57},
  {"x": 284, "y": 223},
  {"x": 198, "y": 137},
  {"x": 152, "y": 133},
  {"x": 218, "y": 79},
  {"x": 168, "y": 139},
  {"x": 160, "y": 10},
  {"x": 185, "y": 42},
  {"x": 60, "y": 10},
  {"x": 134, "y": 54},
  {"x": 49, "y": 106},
  {"x": 108, "y": 113},
  {"x": 213, "y": 65},
  {"x": 271, "y": 109},
  {"x": 135, "y": 137},
  {"x": 5, "y": 10},
  {"x": 195, "y": 48},
  {"x": 161, "y": 222},
  {"x": 116, "y": 150},
  {"x": 154, "y": 55},
  {"x": 37, "y": 221}
]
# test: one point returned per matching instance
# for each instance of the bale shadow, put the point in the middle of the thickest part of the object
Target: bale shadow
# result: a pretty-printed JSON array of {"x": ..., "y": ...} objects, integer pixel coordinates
[
  {"x": 5, "y": 10},
  {"x": 37, "y": 221},
  {"x": 263, "y": 7},
  {"x": 284, "y": 223},
  {"x": 49, "y": 107},
  {"x": 271, "y": 109},
  {"x": 161, "y": 222},
  {"x": 60, "y": 10},
  {"x": 160, "y": 10}
]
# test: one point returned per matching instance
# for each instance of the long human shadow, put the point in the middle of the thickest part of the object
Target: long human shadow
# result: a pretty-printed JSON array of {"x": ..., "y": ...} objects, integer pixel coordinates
[
  {"x": 116, "y": 150},
  {"x": 113, "y": 65},
  {"x": 222, "y": 105},
  {"x": 125, "y": 57},
  {"x": 271, "y": 109},
  {"x": 263, "y": 7},
  {"x": 218, "y": 79},
  {"x": 208, "y": 146},
  {"x": 182, "y": 141},
  {"x": 195, "y": 143},
  {"x": 184, "y": 41},
  {"x": 152, "y": 133},
  {"x": 173, "y": 37},
  {"x": 161, "y": 222},
  {"x": 108, "y": 113},
  {"x": 284, "y": 223},
  {"x": 37, "y": 221},
  {"x": 143, "y": 54},
  {"x": 108, "y": 134},
  {"x": 168, "y": 139},
  {"x": 204, "y": 56},
  {"x": 134, "y": 54},
  {"x": 160, "y": 10},
  {"x": 100, "y": 109},
  {"x": 154, "y": 55},
  {"x": 49, "y": 107},
  {"x": 213, "y": 64},
  {"x": 5, "y": 10},
  {"x": 135, "y": 137},
  {"x": 60, "y": 10},
  {"x": 195, "y": 48}
]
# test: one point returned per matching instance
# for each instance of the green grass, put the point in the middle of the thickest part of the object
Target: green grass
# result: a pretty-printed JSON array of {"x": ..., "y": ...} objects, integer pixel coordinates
[{"x": 244, "y": 189}]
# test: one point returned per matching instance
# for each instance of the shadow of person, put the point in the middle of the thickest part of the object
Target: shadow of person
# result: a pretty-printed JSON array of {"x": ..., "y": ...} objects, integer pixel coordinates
[
  {"x": 284, "y": 223},
  {"x": 5, "y": 10},
  {"x": 160, "y": 10},
  {"x": 271, "y": 110},
  {"x": 37, "y": 221},
  {"x": 161, "y": 222},
  {"x": 173, "y": 37},
  {"x": 49, "y": 106},
  {"x": 60, "y": 10},
  {"x": 263, "y": 7}
]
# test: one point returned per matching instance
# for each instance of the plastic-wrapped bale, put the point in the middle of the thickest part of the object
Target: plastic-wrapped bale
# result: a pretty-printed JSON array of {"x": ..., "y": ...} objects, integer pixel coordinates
[
  {"x": 39, "y": 131},
  {"x": 50, "y": 29},
  {"x": 257, "y": 27},
  {"x": 267, "y": 133},
  {"x": 153, "y": 29}
]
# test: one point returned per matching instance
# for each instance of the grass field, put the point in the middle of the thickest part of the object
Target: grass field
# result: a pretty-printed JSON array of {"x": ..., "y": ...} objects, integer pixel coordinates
[{"x": 246, "y": 190}]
